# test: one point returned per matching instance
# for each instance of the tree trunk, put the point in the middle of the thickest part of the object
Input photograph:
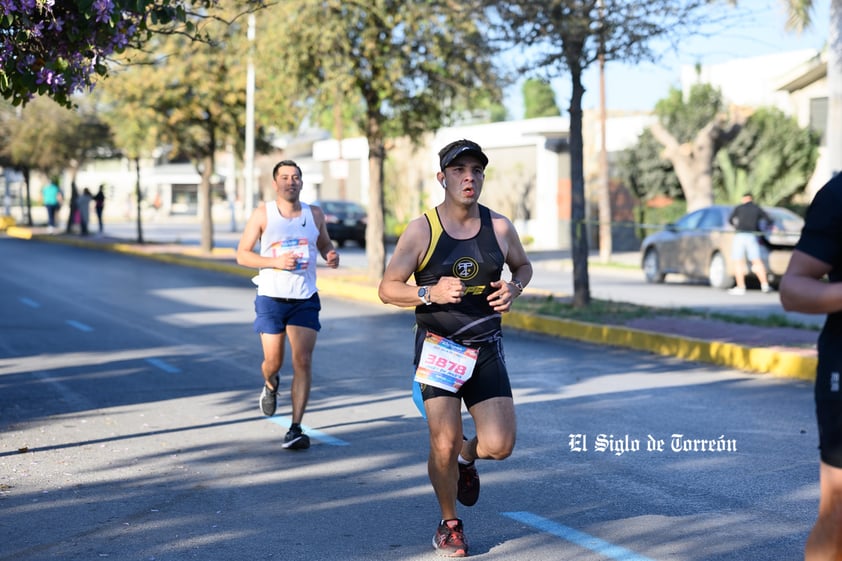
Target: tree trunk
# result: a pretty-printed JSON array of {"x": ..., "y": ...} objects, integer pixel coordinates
[
  {"x": 375, "y": 240},
  {"x": 28, "y": 197},
  {"x": 206, "y": 203},
  {"x": 693, "y": 161},
  {"x": 834, "y": 87},
  {"x": 137, "y": 201},
  {"x": 578, "y": 230}
]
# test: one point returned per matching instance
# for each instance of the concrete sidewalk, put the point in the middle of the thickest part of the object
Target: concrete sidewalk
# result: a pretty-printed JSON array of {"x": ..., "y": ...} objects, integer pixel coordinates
[{"x": 779, "y": 351}]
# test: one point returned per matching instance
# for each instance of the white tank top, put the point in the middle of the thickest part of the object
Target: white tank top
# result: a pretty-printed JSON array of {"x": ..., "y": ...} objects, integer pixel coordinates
[{"x": 297, "y": 234}]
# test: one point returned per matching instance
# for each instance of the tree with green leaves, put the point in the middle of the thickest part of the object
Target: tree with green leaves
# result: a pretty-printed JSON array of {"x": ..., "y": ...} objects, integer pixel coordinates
[
  {"x": 692, "y": 129},
  {"x": 565, "y": 37},
  {"x": 772, "y": 158},
  {"x": 134, "y": 123},
  {"x": 410, "y": 67},
  {"x": 647, "y": 174},
  {"x": 47, "y": 137},
  {"x": 188, "y": 95},
  {"x": 539, "y": 99}
]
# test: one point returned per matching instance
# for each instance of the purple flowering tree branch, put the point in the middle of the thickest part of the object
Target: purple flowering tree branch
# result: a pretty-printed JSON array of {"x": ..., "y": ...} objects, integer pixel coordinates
[{"x": 60, "y": 48}]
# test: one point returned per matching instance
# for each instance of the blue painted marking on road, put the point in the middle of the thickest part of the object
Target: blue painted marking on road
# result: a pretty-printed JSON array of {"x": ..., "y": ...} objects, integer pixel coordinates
[
  {"x": 30, "y": 302},
  {"x": 79, "y": 325},
  {"x": 285, "y": 422},
  {"x": 574, "y": 536},
  {"x": 163, "y": 365}
]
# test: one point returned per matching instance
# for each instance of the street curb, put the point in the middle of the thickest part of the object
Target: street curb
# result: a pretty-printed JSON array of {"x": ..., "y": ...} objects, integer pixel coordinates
[
  {"x": 774, "y": 362},
  {"x": 18, "y": 232},
  {"x": 771, "y": 361}
]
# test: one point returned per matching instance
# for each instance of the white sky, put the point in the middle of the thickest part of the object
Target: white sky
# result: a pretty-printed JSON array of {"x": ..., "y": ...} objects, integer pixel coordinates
[{"x": 758, "y": 28}]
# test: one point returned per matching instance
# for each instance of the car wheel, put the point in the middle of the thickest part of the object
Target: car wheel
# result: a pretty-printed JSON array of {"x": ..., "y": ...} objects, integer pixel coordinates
[
  {"x": 650, "y": 267},
  {"x": 340, "y": 243},
  {"x": 718, "y": 272},
  {"x": 361, "y": 242}
]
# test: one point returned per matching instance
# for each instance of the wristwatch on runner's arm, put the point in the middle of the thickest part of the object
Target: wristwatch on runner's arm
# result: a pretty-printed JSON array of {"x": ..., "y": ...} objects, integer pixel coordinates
[{"x": 424, "y": 295}]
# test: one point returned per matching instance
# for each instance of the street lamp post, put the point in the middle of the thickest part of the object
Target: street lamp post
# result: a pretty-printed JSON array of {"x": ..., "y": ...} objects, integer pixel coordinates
[{"x": 248, "y": 195}]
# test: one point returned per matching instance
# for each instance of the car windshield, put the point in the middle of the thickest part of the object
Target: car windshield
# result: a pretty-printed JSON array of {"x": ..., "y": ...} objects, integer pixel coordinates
[
  {"x": 785, "y": 219},
  {"x": 712, "y": 219},
  {"x": 689, "y": 221}
]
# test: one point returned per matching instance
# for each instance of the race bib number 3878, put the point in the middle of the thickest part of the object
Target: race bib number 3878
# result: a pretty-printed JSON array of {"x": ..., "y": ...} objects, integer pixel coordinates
[{"x": 445, "y": 364}]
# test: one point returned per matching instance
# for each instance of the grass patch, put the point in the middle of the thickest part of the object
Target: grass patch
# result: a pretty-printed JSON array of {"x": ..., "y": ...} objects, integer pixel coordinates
[
  {"x": 599, "y": 311},
  {"x": 608, "y": 312}
]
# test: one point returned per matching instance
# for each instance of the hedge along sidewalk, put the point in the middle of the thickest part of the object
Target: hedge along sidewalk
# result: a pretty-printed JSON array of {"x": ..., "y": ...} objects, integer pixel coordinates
[{"x": 775, "y": 360}]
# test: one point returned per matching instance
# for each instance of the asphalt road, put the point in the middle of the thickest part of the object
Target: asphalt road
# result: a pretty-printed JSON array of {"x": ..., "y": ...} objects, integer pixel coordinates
[{"x": 130, "y": 430}]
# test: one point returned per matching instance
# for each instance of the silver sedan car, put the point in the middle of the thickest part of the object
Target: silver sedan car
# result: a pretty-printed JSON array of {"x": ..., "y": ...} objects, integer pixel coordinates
[{"x": 698, "y": 246}]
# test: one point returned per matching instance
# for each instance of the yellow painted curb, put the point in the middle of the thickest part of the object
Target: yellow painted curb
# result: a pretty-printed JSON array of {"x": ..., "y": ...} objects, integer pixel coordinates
[
  {"x": 18, "y": 232},
  {"x": 762, "y": 360},
  {"x": 339, "y": 288}
]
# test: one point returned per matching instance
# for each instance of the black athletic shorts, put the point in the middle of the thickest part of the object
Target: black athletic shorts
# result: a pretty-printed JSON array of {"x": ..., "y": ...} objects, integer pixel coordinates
[
  {"x": 490, "y": 377},
  {"x": 829, "y": 397}
]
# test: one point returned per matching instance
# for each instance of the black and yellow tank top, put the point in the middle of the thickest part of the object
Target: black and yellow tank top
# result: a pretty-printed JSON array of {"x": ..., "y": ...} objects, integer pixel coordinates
[{"x": 478, "y": 261}]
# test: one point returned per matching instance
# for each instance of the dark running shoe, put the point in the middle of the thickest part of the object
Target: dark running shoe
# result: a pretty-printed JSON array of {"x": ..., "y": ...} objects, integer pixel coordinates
[
  {"x": 296, "y": 440},
  {"x": 268, "y": 400},
  {"x": 467, "y": 491},
  {"x": 449, "y": 540}
]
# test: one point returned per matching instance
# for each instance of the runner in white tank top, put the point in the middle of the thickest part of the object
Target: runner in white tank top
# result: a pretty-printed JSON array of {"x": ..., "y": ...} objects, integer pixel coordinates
[
  {"x": 299, "y": 235},
  {"x": 291, "y": 235}
]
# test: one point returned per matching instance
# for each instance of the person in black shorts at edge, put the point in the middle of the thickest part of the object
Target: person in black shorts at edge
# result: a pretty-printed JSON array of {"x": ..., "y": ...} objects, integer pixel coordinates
[
  {"x": 456, "y": 253},
  {"x": 811, "y": 284},
  {"x": 291, "y": 236}
]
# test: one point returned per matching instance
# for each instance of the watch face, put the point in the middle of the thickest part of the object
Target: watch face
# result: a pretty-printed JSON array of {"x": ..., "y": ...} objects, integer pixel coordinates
[{"x": 422, "y": 291}]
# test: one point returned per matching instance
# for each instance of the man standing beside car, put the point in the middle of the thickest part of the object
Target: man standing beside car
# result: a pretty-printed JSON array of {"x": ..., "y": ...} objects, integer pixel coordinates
[{"x": 748, "y": 219}]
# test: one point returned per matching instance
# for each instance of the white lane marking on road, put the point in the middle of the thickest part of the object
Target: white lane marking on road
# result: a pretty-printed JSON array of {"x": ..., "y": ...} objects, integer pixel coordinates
[
  {"x": 574, "y": 536},
  {"x": 79, "y": 325},
  {"x": 30, "y": 302},
  {"x": 285, "y": 422},
  {"x": 163, "y": 365}
]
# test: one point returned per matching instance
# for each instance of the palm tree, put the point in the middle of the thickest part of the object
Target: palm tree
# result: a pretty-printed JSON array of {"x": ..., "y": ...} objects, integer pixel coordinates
[{"x": 800, "y": 18}]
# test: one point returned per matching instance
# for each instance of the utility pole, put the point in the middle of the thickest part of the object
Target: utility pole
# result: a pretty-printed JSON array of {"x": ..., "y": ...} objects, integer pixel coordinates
[
  {"x": 605, "y": 242},
  {"x": 248, "y": 171}
]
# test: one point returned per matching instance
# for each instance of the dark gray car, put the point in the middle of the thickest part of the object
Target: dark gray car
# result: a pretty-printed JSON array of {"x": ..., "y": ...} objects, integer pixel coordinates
[{"x": 346, "y": 220}]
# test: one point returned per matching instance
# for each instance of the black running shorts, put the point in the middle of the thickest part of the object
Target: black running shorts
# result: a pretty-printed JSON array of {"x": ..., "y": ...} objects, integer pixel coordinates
[
  {"x": 490, "y": 377},
  {"x": 829, "y": 397}
]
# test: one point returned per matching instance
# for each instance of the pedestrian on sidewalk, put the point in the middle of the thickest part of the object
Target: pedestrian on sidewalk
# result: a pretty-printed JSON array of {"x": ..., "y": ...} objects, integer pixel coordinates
[
  {"x": 52, "y": 198},
  {"x": 73, "y": 217},
  {"x": 291, "y": 235},
  {"x": 812, "y": 284},
  {"x": 84, "y": 203},
  {"x": 99, "y": 206},
  {"x": 456, "y": 252},
  {"x": 749, "y": 220}
]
